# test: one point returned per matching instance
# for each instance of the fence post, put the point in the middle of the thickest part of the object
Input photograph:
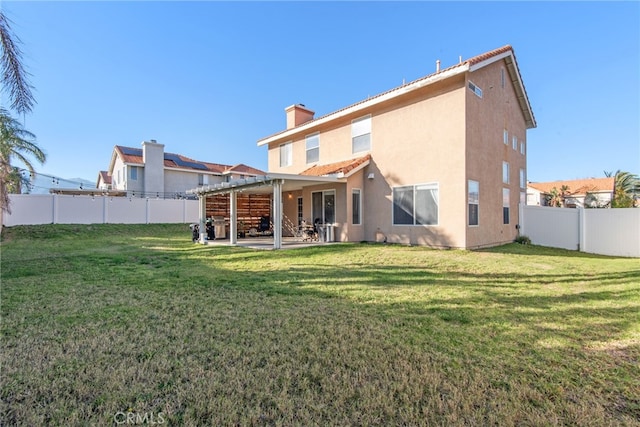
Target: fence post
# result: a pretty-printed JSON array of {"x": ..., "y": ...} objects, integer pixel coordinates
[
  {"x": 105, "y": 216},
  {"x": 582, "y": 235},
  {"x": 521, "y": 231},
  {"x": 54, "y": 208}
]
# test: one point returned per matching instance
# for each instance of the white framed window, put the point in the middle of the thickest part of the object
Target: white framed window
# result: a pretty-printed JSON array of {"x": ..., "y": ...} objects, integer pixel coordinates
[
  {"x": 361, "y": 134},
  {"x": 313, "y": 147},
  {"x": 133, "y": 173},
  {"x": 300, "y": 211},
  {"x": 505, "y": 172},
  {"x": 523, "y": 182},
  {"x": 416, "y": 204},
  {"x": 475, "y": 89},
  {"x": 522, "y": 147},
  {"x": 505, "y": 205},
  {"x": 286, "y": 154},
  {"x": 473, "y": 201},
  {"x": 515, "y": 143},
  {"x": 505, "y": 137},
  {"x": 356, "y": 206}
]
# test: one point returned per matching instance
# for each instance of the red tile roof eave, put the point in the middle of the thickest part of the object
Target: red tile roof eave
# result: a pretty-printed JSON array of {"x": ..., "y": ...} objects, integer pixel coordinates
[
  {"x": 398, "y": 88},
  {"x": 343, "y": 167},
  {"x": 469, "y": 62}
]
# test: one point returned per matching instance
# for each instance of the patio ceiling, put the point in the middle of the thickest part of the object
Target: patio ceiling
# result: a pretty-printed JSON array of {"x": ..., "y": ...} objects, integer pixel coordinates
[{"x": 264, "y": 184}]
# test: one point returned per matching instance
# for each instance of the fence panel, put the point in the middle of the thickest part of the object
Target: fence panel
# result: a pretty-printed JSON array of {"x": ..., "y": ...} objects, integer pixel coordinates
[
  {"x": 78, "y": 209},
  {"x": 124, "y": 210},
  {"x": 612, "y": 232},
  {"x": 555, "y": 227},
  {"x": 29, "y": 209}
]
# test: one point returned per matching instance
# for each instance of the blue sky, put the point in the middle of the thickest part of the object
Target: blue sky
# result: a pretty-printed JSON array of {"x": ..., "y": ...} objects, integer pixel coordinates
[{"x": 208, "y": 79}]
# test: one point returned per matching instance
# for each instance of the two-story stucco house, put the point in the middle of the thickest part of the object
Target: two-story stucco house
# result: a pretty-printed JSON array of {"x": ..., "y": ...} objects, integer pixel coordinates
[
  {"x": 150, "y": 171},
  {"x": 440, "y": 161}
]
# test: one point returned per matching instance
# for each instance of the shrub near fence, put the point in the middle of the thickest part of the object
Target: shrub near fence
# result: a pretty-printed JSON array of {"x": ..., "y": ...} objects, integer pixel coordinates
[
  {"x": 64, "y": 209},
  {"x": 614, "y": 232}
]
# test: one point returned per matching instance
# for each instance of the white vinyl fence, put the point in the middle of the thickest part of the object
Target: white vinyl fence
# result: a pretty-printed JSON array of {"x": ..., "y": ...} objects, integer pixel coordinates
[
  {"x": 64, "y": 209},
  {"x": 613, "y": 232}
]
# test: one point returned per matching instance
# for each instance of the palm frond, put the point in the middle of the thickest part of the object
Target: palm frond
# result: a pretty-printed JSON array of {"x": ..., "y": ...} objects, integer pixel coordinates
[{"x": 14, "y": 76}]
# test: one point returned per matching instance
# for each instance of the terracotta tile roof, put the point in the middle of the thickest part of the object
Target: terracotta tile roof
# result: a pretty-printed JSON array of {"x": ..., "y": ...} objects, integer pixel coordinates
[
  {"x": 129, "y": 154},
  {"x": 576, "y": 186},
  {"x": 343, "y": 167},
  {"x": 469, "y": 62},
  {"x": 105, "y": 177},
  {"x": 484, "y": 56},
  {"x": 243, "y": 169}
]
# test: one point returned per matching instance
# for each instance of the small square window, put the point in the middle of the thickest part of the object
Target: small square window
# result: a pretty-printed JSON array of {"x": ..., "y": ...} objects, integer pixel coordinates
[{"x": 475, "y": 89}]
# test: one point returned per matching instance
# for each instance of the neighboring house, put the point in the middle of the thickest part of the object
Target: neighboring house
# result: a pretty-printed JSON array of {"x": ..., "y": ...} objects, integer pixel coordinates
[
  {"x": 150, "y": 171},
  {"x": 599, "y": 189},
  {"x": 440, "y": 161}
]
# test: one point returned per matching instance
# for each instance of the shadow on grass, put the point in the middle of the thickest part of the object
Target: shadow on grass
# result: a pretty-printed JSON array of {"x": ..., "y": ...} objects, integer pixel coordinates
[
  {"x": 469, "y": 312},
  {"x": 519, "y": 249}
]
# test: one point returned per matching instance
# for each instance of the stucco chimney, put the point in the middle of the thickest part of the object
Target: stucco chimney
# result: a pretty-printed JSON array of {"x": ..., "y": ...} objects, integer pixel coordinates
[
  {"x": 153, "y": 159},
  {"x": 298, "y": 114}
]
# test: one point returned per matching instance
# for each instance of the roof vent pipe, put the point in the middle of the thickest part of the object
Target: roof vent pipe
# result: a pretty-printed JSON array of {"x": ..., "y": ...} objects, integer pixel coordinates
[{"x": 438, "y": 66}]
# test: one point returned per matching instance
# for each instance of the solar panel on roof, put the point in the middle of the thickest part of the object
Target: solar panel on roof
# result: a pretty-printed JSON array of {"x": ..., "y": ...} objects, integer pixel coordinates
[
  {"x": 128, "y": 151},
  {"x": 183, "y": 163}
]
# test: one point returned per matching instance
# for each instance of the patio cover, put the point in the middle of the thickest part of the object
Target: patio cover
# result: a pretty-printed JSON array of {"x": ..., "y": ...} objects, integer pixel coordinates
[{"x": 276, "y": 183}]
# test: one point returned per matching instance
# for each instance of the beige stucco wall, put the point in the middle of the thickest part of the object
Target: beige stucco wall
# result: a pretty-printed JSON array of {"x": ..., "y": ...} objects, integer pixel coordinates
[
  {"x": 487, "y": 118},
  {"x": 442, "y": 134}
]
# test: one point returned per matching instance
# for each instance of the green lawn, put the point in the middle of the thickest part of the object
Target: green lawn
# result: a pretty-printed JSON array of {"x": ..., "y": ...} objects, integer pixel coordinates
[{"x": 105, "y": 322}]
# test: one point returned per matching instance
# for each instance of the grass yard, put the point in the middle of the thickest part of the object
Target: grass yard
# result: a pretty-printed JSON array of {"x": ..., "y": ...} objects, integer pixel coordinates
[{"x": 116, "y": 325}]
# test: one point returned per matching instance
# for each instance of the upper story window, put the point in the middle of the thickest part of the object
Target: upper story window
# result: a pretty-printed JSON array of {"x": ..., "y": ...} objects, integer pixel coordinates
[
  {"x": 505, "y": 172},
  {"x": 133, "y": 173},
  {"x": 523, "y": 182},
  {"x": 286, "y": 154},
  {"x": 515, "y": 143},
  {"x": 361, "y": 134},
  {"x": 505, "y": 137},
  {"x": 313, "y": 148},
  {"x": 475, "y": 89},
  {"x": 521, "y": 147}
]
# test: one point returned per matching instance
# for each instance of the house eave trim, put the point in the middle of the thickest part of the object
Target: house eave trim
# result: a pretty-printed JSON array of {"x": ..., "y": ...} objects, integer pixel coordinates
[{"x": 364, "y": 105}]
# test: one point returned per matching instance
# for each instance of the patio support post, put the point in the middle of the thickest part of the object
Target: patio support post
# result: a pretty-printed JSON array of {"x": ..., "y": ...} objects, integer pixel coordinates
[
  {"x": 277, "y": 214},
  {"x": 202, "y": 202},
  {"x": 233, "y": 218}
]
